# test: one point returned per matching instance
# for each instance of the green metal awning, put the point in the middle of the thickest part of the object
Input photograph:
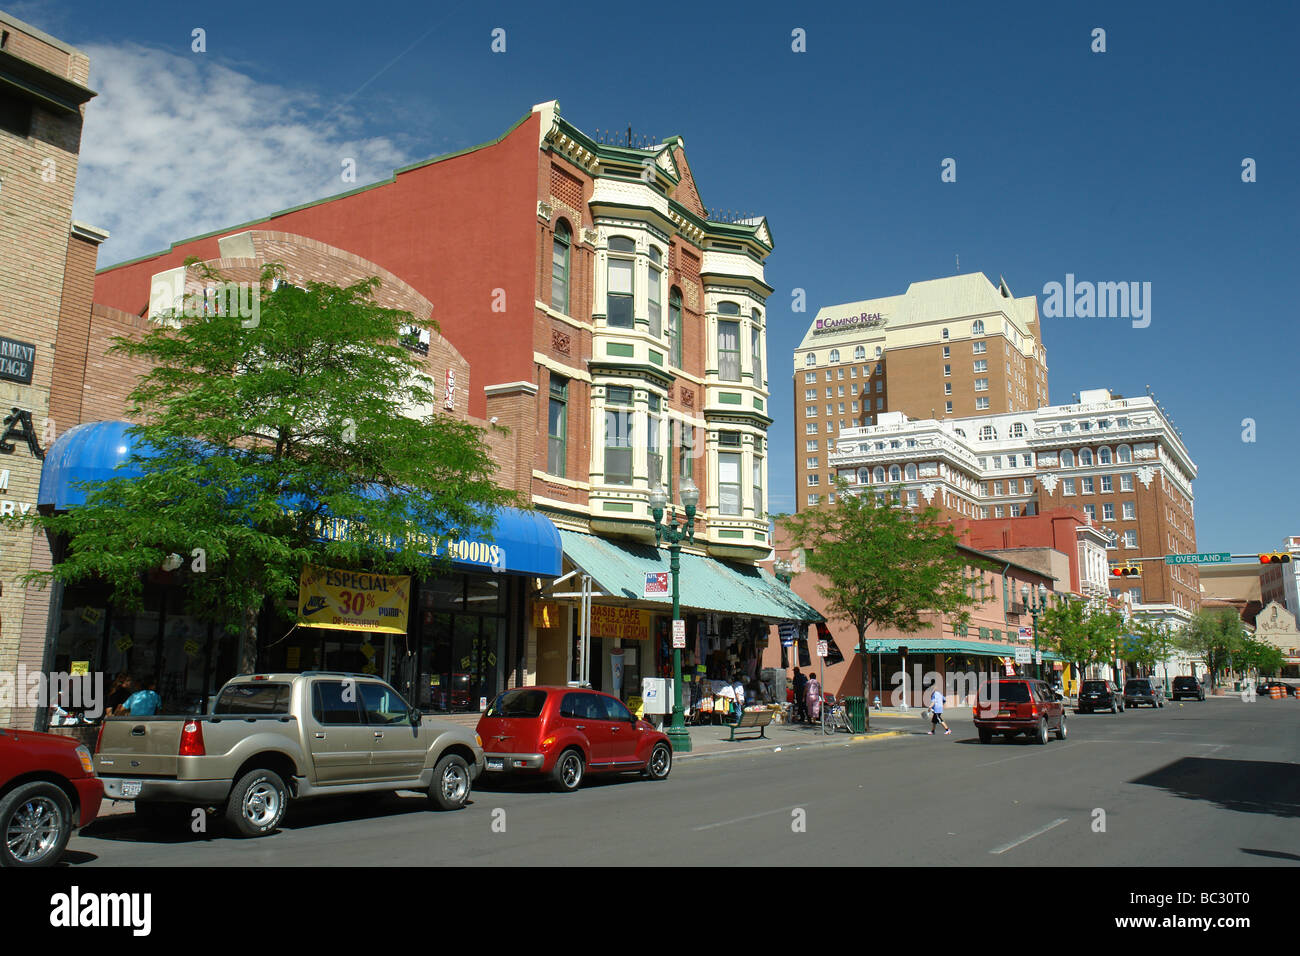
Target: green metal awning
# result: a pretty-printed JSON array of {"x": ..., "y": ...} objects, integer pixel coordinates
[
  {"x": 949, "y": 645},
  {"x": 706, "y": 584}
]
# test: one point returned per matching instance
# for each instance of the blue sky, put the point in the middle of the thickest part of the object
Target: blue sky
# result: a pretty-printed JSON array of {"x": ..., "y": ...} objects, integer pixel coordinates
[{"x": 1116, "y": 166}]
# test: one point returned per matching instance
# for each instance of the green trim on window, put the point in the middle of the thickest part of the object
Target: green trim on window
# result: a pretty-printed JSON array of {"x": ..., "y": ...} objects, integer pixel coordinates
[
  {"x": 760, "y": 536},
  {"x": 621, "y": 349},
  {"x": 729, "y": 533},
  {"x": 984, "y": 633},
  {"x": 729, "y": 398},
  {"x": 617, "y": 506},
  {"x": 656, "y": 357},
  {"x": 758, "y": 403}
]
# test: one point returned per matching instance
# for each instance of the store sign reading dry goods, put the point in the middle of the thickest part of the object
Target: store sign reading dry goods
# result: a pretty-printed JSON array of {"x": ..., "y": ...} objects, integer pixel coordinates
[{"x": 16, "y": 361}]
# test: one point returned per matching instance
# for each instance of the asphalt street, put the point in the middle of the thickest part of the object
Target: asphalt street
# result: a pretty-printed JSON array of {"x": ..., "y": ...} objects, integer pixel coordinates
[{"x": 1209, "y": 783}]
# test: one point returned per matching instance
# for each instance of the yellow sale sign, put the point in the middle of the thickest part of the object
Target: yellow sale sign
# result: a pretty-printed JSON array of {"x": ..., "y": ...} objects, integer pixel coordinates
[{"x": 353, "y": 600}]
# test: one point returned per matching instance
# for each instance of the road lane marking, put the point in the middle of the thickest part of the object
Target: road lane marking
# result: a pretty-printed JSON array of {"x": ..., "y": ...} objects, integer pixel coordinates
[
  {"x": 752, "y": 816},
  {"x": 1033, "y": 753},
  {"x": 1029, "y": 836}
]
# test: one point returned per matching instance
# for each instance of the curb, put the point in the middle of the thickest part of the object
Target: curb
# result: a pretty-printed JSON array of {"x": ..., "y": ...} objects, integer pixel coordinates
[{"x": 857, "y": 738}]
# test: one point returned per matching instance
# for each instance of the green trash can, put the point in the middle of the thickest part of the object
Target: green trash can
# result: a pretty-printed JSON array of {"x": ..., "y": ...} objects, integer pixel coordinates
[{"x": 856, "y": 708}]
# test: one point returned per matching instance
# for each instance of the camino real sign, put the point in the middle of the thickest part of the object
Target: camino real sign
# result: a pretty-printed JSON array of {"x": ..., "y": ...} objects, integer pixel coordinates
[
  {"x": 16, "y": 361},
  {"x": 863, "y": 320},
  {"x": 353, "y": 600}
]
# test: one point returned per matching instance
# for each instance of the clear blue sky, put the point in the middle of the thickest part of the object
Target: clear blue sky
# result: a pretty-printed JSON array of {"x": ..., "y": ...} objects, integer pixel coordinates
[{"x": 1118, "y": 166}]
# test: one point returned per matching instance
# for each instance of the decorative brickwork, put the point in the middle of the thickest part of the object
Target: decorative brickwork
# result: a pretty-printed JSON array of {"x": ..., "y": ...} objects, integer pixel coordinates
[{"x": 560, "y": 342}]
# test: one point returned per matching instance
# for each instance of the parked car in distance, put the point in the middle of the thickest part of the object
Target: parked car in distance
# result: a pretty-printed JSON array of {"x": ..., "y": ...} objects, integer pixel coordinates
[
  {"x": 565, "y": 733},
  {"x": 275, "y": 737},
  {"x": 1141, "y": 690},
  {"x": 1188, "y": 687},
  {"x": 48, "y": 789},
  {"x": 1100, "y": 695},
  {"x": 1265, "y": 688},
  {"x": 1020, "y": 705}
]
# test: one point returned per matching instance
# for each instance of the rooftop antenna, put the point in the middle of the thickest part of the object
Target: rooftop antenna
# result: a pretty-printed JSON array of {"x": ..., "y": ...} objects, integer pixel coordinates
[
  {"x": 629, "y": 134},
  {"x": 958, "y": 272}
]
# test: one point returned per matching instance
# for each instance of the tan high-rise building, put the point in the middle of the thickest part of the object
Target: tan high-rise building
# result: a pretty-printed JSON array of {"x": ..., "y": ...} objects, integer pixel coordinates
[{"x": 946, "y": 348}]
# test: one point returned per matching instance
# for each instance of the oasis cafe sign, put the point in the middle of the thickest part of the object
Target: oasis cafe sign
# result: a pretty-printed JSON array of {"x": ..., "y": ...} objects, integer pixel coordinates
[{"x": 864, "y": 320}]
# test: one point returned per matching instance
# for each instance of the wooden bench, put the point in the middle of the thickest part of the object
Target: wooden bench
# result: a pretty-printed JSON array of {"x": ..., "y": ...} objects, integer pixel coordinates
[{"x": 748, "y": 720}]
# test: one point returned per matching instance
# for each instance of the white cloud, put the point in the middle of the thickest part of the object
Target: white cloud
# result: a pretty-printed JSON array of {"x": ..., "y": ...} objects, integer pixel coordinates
[{"x": 175, "y": 146}]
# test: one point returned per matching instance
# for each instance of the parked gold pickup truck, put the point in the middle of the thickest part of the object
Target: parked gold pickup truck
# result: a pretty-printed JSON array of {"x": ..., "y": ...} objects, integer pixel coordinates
[{"x": 275, "y": 737}]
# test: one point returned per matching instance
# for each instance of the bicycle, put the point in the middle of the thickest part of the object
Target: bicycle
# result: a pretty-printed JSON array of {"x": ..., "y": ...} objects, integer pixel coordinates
[{"x": 834, "y": 715}]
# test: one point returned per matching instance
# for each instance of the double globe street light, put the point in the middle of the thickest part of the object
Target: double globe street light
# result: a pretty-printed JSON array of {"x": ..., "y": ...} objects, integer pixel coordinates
[
  {"x": 674, "y": 533},
  {"x": 1035, "y": 609}
]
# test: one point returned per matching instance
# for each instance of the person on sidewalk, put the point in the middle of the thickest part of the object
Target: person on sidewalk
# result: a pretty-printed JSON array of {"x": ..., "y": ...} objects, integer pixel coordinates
[
  {"x": 800, "y": 703},
  {"x": 936, "y": 711},
  {"x": 814, "y": 697}
]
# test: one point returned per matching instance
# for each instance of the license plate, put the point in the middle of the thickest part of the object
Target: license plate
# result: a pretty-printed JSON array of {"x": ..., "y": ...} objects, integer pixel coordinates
[
  {"x": 496, "y": 763},
  {"x": 131, "y": 788},
  {"x": 1004, "y": 713}
]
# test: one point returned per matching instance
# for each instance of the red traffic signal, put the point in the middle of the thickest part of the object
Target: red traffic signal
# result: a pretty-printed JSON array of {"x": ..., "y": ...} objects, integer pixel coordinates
[
  {"x": 1277, "y": 557},
  {"x": 1126, "y": 570}
]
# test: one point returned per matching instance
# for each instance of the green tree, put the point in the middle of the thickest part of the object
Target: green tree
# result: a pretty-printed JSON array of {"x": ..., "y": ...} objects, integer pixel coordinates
[
  {"x": 258, "y": 432},
  {"x": 885, "y": 566},
  {"x": 1081, "y": 633},
  {"x": 1155, "y": 642},
  {"x": 1213, "y": 636},
  {"x": 1252, "y": 654}
]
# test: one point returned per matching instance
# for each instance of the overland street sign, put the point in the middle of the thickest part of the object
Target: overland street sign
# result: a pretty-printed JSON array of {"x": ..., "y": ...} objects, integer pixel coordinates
[{"x": 1205, "y": 557}]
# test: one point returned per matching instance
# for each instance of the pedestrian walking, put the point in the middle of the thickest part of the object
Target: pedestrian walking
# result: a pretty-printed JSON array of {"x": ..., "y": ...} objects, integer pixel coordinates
[
  {"x": 937, "y": 701},
  {"x": 813, "y": 692},
  {"x": 800, "y": 703}
]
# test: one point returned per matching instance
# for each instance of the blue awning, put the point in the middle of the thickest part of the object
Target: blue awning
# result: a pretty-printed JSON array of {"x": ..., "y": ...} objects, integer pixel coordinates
[{"x": 519, "y": 542}]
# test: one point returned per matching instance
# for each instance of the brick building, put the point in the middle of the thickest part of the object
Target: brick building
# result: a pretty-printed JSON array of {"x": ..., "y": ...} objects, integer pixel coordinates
[
  {"x": 951, "y": 347},
  {"x": 46, "y": 268},
  {"x": 586, "y": 306}
]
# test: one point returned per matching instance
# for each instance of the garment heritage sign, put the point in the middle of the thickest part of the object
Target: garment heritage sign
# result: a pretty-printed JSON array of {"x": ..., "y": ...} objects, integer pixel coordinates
[
  {"x": 353, "y": 600},
  {"x": 16, "y": 360}
]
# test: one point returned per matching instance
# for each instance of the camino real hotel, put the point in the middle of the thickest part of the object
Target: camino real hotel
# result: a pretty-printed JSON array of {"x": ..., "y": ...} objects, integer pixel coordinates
[{"x": 943, "y": 390}]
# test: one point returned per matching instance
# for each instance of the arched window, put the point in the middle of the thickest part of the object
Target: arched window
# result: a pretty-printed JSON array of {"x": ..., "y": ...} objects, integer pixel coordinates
[
  {"x": 960, "y": 432},
  {"x": 977, "y": 327},
  {"x": 945, "y": 335},
  {"x": 835, "y": 356},
  {"x": 728, "y": 308},
  {"x": 1103, "y": 456},
  {"x": 1067, "y": 459},
  {"x": 1085, "y": 457},
  {"x": 675, "y": 327},
  {"x": 860, "y": 353},
  {"x": 560, "y": 245},
  {"x": 895, "y": 473},
  {"x": 620, "y": 292},
  {"x": 879, "y": 475},
  {"x": 910, "y": 472},
  {"x": 864, "y": 476},
  {"x": 810, "y": 358},
  {"x": 1018, "y": 430},
  {"x": 654, "y": 306},
  {"x": 1124, "y": 454},
  {"x": 988, "y": 433},
  {"x": 878, "y": 351}
]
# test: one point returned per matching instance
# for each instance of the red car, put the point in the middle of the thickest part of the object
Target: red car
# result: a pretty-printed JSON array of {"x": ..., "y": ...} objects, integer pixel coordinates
[
  {"x": 565, "y": 733},
  {"x": 48, "y": 789},
  {"x": 1019, "y": 705}
]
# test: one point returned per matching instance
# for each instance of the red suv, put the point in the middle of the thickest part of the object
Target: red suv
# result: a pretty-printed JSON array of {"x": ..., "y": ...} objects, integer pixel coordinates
[
  {"x": 567, "y": 732},
  {"x": 1019, "y": 705},
  {"x": 48, "y": 788}
]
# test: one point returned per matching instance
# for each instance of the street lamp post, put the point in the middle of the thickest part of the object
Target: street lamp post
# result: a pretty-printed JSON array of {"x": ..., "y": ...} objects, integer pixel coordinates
[
  {"x": 673, "y": 533},
  {"x": 1035, "y": 608}
]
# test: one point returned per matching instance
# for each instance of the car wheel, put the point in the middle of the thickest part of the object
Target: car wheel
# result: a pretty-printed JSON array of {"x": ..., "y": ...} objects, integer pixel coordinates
[
  {"x": 451, "y": 783},
  {"x": 1041, "y": 737},
  {"x": 35, "y": 825},
  {"x": 660, "y": 762},
  {"x": 567, "y": 774},
  {"x": 1060, "y": 731},
  {"x": 257, "y": 803},
  {"x": 986, "y": 736}
]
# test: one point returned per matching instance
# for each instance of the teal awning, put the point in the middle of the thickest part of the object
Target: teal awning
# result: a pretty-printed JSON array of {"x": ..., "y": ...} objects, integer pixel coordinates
[
  {"x": 706, "y": 584},
  {"x": 949, "y": 645}
]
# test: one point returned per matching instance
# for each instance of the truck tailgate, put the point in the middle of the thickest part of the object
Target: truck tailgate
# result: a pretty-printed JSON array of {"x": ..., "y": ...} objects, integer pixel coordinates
[{"x": 139, "y": 747}]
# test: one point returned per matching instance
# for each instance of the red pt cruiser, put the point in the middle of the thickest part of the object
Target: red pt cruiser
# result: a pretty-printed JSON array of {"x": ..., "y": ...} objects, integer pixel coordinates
[
  {"x": 566, "y": 733},
  {"x": 48, "y": 788}
]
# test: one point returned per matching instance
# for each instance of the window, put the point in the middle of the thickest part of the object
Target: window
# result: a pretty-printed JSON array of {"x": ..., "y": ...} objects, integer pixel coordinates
[
  {"x": 1125, "y": 482},
  {"x": 810, "y": 428},
  {"x": 728, "y": 351},
  {"x": 1124, "y": 454},
  {"x": 977, "y": 327},
  {"x": 880, "y": 404},
  {"x": 878, "y": 353},
  {"x": 1015, "y": 511},
  {"x": 813, "y": 499},
  {"x": 830, "y": 408},
  {"x": 1029, "y": 486},
  {"x": 618, "y": 299},
  {"x": 1085, "y": 457},
  {"x": 810, "y": 394},
  {"x": 1090, "y": 511},
  {"x": 947, "y": 389},
  {"x": 835, "y": 356},
  {"x": 557, "y": 426},
  {"x": 1103, "y": 456},
  {"x": 654, "y": 457},
  {"x": 1087, "y": 484},
  {"x": 841, "y": 391},
  {"x": 945, "y": 335},
  {"x": 879, "y": 475},
  {"x": 981, "y": 365},
  {"x": 895, "y": 473},
  {"x": 1018, "y": 430},
  {"x": 979, "y": 348},
  {"x": 1067, "y": 459},
  {"x": 675, "y": 329},
  {"x": 1130, "y": 538},
  {"x": 878, "y": 368},
  {"x": 859, "y": 353},
  {"x": 947, "y": 352},
  {"x": 728, "y": 308},
  {"x": 1135, "y": 593},
  {"x": 981, "y": 384},
  {"x": 811, "y": 359},
  {"x": 810, "y": 411},
  {"x": 618, "y": 435},
  {"x": 1129, "y": 511},
  {"x": 729, "y": 483},
  {"x": 947, "y": 407},
  {"x": 839, "y": 373},
  {"x": 382, "y": 705},
  {"x": 997, "y": 488},
  {"x": 653, "y": 307},
  {"x": 1067, "y": 486},
  {"x": 560, "y": 267},
  {"x": 841, "y": 408},
  {"x": 853, "y": 372},
  {"x": 813, "y": 480},
  {"x": 912, "y": 499},
  {"x": 756, "y": 346},
  {"x": 812, "y": 463},
  {"x": 758, "y": 487},
  {"x": 1106, "y": 484},
  {"x": 1013, "y": 487},
  {"x": 981, "y": 404},
  {"x": 1107, "y": 512},
  {"x": 809, "y": 378},
  {"x": 997, "y": 461},
  {"x": 988, "y": 433},
  {"x": 1028, "y": 460},
  {"x": 331, "y": 707},
  {"x": 947, "y": 370},
  {"x": 15, "y": 115},
  {"x": 830, "y": 391},
  {"x": 810, "y": 445},
  {"x": 880, "y": 386},
  {"x": 910, "y": 472},
  {"x": 999, "y": 511}
]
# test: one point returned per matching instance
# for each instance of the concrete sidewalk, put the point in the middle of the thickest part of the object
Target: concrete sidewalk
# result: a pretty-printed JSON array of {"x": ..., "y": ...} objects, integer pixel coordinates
[{"x": 711, "y": 740}]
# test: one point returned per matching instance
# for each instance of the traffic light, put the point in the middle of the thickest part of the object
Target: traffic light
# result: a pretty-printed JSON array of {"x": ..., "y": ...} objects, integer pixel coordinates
[
  {"x": 1277, "y": 557},
  {"x": 1126, "y": 570}
]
